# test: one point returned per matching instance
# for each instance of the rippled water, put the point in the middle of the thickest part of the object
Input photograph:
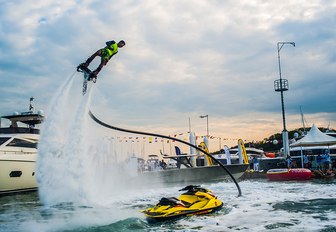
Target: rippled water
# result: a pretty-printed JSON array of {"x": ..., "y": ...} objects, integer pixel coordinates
[{"x": 264, "y": 206}]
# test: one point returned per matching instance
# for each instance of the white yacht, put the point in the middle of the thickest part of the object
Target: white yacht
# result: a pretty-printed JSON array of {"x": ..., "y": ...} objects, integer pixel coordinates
[{"x": 18, "y": 151}]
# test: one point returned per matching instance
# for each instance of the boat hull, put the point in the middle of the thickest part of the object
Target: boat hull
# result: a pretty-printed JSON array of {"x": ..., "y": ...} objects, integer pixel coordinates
[
  {"x": 194, "y": 175},
  {"x": 289, "y": 174},
  {"x": 17, "y": 175}
]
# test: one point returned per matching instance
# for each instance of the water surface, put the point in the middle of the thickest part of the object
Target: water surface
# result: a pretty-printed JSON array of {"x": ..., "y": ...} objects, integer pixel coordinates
[{"x": 264, "y": 206}]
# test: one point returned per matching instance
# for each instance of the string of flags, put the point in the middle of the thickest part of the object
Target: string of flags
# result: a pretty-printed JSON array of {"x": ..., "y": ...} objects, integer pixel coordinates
[{"x": 152, "y": 139}]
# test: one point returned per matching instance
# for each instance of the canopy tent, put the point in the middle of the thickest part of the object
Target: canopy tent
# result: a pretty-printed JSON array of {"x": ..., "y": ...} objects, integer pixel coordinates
[{"x": 314, "y": 137}]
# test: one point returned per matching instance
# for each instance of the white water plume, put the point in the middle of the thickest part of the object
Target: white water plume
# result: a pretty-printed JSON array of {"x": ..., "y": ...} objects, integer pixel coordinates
[
  {"x": 60, "y": 147},
  {"x": 74, "y": 163}
]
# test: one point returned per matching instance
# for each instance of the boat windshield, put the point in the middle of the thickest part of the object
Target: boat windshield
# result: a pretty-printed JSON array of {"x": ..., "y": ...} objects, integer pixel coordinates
[
  {"x": 3, "y": 139},
  {"x": 22, "y": 143}
]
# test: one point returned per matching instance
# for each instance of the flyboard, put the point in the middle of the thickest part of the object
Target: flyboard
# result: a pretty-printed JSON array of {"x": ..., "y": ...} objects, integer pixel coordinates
[{"x": 87, "y": 76}]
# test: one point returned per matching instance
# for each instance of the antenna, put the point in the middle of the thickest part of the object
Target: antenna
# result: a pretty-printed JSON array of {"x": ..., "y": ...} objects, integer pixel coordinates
[
  {"x": 189, "y": 126},
  {"x": 31, "y": 106}
]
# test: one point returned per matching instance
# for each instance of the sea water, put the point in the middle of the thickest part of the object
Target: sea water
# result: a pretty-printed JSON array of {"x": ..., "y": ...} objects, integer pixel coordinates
[
  {"x": 264, "y": 206},
  {"x": 81, "y": 189}
]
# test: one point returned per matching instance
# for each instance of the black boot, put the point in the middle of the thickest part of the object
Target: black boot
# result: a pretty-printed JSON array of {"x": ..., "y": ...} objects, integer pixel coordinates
[
  {"x": 93, "y": 77},
  {"x": 82, "y": 66}
]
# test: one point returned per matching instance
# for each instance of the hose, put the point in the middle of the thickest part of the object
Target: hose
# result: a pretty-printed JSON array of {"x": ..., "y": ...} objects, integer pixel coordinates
[{"x": 170, "y": 138}]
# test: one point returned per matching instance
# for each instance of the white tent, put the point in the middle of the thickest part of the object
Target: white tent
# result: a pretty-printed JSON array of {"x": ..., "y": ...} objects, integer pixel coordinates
[{"x": 314, "y": 137}]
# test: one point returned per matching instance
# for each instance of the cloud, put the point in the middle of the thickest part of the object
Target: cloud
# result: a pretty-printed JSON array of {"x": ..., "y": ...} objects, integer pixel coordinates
[{"x": 182, "y": 59}]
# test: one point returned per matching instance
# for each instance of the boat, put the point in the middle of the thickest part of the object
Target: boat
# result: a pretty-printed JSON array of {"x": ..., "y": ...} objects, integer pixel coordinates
[
  {"x": 191, "y": 175},
  {"x": 184, "y": 172},
  {"x": 152, "y": 163},
  {"x": 289, "y": 174},
  {"x": 250, "y": 152},
  {"x": 194, "y": 201},
  {"x": 18, "y": 151},
  {"x": 319, "y": 174},
  {"x": 235, "y": 157}
]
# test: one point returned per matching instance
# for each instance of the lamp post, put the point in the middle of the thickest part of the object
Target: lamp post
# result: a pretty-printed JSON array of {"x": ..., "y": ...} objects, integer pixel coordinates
[
  {"x": 206, "y": 116},
  {"x": 281, "y": 85}
]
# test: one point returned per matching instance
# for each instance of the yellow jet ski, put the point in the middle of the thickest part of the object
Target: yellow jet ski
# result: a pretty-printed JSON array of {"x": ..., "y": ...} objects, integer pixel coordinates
[{"x": 195, "y": 200}]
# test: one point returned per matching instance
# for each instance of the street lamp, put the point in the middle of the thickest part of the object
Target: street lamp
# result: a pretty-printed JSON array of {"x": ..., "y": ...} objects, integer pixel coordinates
[
  {"x": 206, "y": 116},
  {"x": 281, "y": 85}
]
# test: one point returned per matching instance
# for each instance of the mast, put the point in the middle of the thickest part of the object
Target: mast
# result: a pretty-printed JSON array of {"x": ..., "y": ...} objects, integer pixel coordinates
[{"x": 303, "y": 121}]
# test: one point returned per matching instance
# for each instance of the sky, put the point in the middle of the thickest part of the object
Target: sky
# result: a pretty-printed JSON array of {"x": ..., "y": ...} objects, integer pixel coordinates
[{"x": 182, "y": 59}]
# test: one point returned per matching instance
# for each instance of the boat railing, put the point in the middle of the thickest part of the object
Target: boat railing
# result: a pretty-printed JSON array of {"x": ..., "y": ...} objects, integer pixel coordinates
[
  {"x": 21, "y": 130},
  {"x": 17, "y": 152}
]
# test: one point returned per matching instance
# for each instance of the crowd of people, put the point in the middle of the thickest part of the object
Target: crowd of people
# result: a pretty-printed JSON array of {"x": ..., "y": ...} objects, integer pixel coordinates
[
  {"x": 152, "y": 165},
  {"x": 322, "y": 162}
]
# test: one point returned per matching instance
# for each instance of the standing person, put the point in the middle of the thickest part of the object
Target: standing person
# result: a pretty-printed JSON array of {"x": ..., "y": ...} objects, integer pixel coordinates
[
  {"x": 318, "y": 162},
  {"x": 333, "y": 165},
  {"x": 326, "y": 164},
  {"x": 255, "y": 163},
  {"x": 289, "y": 161},
  {"x": 305, "y": 161},
  {"x": 163, "y": 164},
  {"x": 105, "y": 53}
]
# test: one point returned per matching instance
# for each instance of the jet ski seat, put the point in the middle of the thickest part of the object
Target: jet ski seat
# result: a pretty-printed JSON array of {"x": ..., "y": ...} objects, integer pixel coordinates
[{"x": 171, "y": 201}]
